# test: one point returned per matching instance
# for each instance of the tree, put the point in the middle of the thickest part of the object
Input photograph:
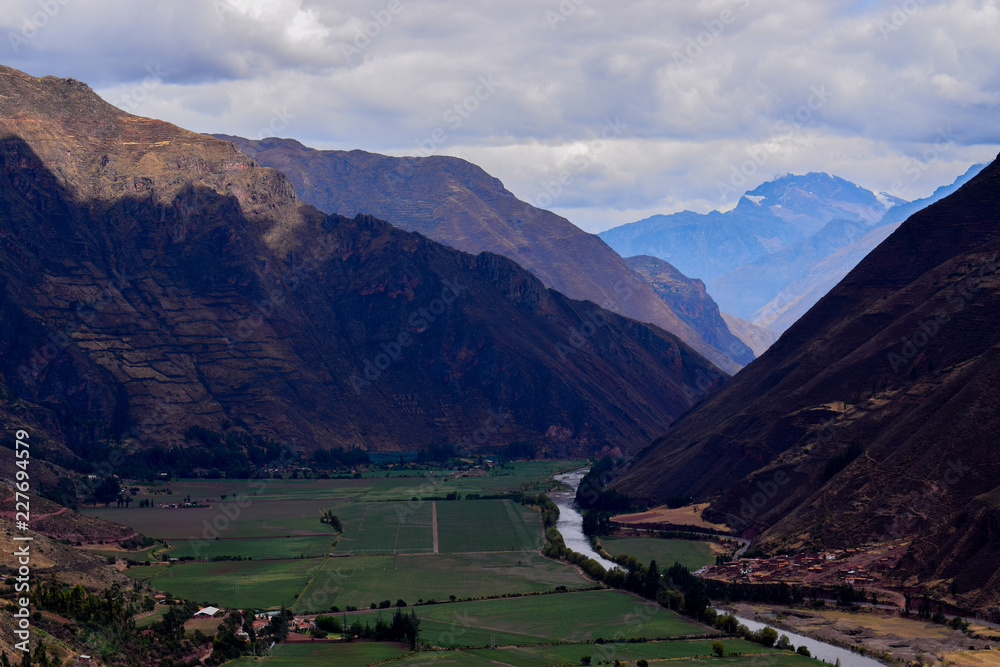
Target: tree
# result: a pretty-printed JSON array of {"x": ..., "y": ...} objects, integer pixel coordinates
[
  {"x": 784, "y": 643},
  {"x": 767, "y": 636},
  {"x": 696, "y": 599},
  {"x": 107, "y": 490},
  {"x": 803, "y": 650},
  {"x": 719, "y": 648},
  {"x": 584, "y": 659}
]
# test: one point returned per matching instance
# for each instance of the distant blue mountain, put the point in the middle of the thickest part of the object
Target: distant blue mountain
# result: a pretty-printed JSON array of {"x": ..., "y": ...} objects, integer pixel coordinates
[
  {"x": 771, "y": 254},
  {"x": 816, "y": 273},
  {"x": 774, "y": 216}
]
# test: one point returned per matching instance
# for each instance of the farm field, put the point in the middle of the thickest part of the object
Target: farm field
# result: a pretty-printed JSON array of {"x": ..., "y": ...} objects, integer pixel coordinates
[
  {"x": 385, "y": 528},
  {"x": 240, "y": 584},
  {"x": 692, "y": 554},
  {"x": 487, "y": 525},
  {"x": 530, "y": 476},
  {"x": 463, "y": 526},
  {"x": 260, "y": 518},
  {"x": 320, "y": 654},
  {"x": 578, "y": 616},
  {"x": 362, "y": 580},
  {"x": 570, "y": 654},
  {"x": 254, "y": 548}
]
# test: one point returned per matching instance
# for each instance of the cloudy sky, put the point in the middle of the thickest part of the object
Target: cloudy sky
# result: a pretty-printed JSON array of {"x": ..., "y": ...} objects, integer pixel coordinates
[{"x": 603, "y": 111}]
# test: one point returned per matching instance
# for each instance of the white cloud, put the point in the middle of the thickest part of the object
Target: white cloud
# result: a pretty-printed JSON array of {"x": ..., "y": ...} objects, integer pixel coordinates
[{"x": 702, "y": 86}]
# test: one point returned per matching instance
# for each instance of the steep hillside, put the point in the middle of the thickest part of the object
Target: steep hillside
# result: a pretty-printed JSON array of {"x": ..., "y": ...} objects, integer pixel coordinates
[
  {"x": 756, "y": 337},
  {"x": 823, "y": 264},
  {"x": 458, "y": 204},
  {"x": 874, "y": 416},
  {"x": 688, "y": 298},
  {"x": 154, "y": 279}
]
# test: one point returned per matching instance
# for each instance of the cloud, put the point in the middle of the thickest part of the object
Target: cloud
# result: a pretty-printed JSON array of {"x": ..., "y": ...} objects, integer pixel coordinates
[{"x": 700, "y": 85}]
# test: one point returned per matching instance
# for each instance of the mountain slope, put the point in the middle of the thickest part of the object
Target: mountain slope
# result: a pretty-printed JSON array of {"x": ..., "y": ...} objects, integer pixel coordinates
[
  {"x": 153, "y": 279},
  {"x": 824, "y": 264},
  {"x": 874, "y": 416},
  {"x": 756, "y": 337},
  {"x": 688, "y": 298},
  {"x": 456, "y": 203},
  {"x": 775, "y": 215}
]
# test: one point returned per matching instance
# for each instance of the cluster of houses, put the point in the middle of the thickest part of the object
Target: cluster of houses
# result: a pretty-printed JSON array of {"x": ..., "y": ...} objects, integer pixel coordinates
[{"x": 840, "y": 565}]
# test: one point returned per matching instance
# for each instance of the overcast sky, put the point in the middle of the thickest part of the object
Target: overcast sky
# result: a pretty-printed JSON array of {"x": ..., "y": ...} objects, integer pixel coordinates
[{"x": 605, "y": 112}]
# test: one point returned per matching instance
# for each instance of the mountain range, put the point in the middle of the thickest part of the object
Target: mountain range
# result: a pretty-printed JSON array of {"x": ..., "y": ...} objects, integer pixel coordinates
[
  {"x": 783, "y": 246},
  {"x": 457, "y": 203},
  {"x": 873, "y": 417},
  {"x": 153, "y": 280}
]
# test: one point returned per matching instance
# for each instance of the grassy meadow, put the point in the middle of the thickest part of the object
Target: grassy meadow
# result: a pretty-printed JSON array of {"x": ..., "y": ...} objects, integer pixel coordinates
[{"x": 692, "y": 554}]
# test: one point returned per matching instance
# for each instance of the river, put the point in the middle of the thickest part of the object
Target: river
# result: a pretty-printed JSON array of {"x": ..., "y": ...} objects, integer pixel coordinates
[{"x": 570, "y": 526}]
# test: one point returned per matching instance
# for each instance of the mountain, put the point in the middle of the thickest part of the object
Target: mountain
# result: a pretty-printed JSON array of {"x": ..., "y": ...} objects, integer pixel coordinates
[
  {"x": 812, "y": 267},
  {"x": 756, "y": 337},
  {"x": 774, "y": 216},
  {"x": 456, "y": 203},
  {"x": 874, "y": 416},
  {"x": 688, "y": 298},
  {"x": 153, "y": 280}
]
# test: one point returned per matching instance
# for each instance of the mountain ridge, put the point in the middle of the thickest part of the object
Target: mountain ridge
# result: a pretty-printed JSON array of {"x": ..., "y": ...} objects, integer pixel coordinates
[
  {"x": 155, "y": 279},
  {"x": 457, "y": 203}
]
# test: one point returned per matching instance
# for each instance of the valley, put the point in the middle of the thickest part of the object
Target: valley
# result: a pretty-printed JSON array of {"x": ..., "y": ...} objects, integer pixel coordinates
[{"x": 269, "y": 404}]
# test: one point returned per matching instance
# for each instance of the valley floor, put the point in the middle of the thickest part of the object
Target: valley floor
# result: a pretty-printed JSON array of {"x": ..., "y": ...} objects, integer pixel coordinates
[{"x": 909, "y": 640}]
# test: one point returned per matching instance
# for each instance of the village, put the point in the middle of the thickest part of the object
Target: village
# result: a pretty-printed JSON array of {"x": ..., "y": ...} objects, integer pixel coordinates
[{"x": 860, "y": 567}]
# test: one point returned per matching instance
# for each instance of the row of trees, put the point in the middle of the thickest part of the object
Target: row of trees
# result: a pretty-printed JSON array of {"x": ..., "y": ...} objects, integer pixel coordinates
[{"x": 401, "y": 627}]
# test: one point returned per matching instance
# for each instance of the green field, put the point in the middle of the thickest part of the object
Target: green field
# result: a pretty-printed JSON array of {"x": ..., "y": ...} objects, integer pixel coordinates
[
  {"x": 321, "y": 654},
  {"x": 463, "y": 526},
  {"x": 692, "y": 554},
  {"x": 528, "y": 476},
  {"x": 569, "y": 654},
  {"x": 385, "y": 528},
  {"x": 487, "y": 525},
  {"x": 225, "y": 519},
  {"x": 256, "y": 549},
  {"x": 360, "y": 580},
  {"x": 241, "y": 584},
  {"x": 573, "y": 617}
]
